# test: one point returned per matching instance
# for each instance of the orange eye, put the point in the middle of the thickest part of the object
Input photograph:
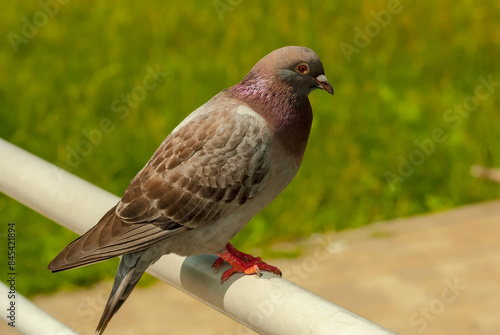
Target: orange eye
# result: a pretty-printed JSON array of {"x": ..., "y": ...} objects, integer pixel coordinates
[{"x": 303, "y": 68}]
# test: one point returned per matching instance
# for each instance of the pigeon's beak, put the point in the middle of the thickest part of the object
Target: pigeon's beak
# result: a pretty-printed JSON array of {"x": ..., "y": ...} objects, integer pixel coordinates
[{"x": 323, "y": 83}]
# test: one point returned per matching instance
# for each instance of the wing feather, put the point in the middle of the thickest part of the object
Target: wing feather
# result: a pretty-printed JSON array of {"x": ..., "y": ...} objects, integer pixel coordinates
[
  {"x": 206, "y": 169},
  {"x": 111, "y": 237}
]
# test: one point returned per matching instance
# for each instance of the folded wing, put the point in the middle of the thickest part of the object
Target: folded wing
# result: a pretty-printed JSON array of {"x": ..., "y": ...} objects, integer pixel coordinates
[{"x": 206, "y": 169}]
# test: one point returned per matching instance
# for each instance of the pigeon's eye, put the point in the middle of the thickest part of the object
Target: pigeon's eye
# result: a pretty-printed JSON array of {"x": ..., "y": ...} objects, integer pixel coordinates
[{"x": 303, "y": 68}]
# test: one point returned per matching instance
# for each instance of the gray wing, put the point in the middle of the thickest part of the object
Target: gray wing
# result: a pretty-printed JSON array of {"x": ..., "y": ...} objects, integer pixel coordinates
[
  {"x": 216, "y": 161},
  {"x": 205, "y": 170}
]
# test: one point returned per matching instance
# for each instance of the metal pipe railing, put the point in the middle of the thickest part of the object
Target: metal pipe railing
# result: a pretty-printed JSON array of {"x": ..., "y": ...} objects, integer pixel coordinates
[
  {"x": 33, "y": 320},
  {"x": 268, "y": 305}
]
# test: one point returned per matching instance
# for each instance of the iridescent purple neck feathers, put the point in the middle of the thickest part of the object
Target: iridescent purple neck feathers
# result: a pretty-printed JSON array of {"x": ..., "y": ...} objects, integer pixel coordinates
[
  {"x": 288, "y": 113},
  {"x": 278, "y": 87}
]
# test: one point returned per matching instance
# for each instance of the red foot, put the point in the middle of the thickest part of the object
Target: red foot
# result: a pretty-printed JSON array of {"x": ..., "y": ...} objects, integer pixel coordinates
[{"x": 241, "y": 262}]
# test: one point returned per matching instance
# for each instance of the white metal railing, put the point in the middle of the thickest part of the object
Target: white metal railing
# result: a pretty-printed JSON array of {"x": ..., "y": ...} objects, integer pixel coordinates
[
  {"x": 479, "y": 171},
  {"x": 34, "y": 319},
  {"x": 268, "y": 305}
]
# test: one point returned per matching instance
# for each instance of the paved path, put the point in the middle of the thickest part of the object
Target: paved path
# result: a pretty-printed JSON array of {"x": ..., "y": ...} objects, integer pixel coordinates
[{"x": 432, "y": 274}]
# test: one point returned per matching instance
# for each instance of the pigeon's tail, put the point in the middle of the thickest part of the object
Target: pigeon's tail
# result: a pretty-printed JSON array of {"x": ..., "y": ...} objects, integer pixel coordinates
[{"x": 130, "y": 270}]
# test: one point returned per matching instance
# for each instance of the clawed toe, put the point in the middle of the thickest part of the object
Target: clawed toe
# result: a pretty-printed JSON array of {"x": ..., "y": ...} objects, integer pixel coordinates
[{"x": 241, "y": 262}]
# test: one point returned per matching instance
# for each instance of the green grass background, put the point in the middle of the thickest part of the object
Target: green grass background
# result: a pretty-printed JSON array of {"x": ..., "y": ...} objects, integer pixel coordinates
[{"x": 394, "y": 91}]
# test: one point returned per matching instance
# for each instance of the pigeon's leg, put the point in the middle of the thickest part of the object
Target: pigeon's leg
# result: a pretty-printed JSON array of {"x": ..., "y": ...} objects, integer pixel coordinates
[{"x": 241, "y": 262}]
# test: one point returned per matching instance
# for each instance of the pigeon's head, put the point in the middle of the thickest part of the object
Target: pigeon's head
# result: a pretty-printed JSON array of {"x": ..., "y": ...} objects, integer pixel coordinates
[{"x": 297, "y": 67}]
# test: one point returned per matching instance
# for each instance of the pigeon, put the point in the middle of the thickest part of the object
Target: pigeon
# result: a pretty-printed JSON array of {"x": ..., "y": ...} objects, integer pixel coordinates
[{"x": 218, "y": 168}]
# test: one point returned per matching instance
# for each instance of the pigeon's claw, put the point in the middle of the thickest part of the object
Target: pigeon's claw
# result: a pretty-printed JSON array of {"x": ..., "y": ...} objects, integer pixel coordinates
[{"x": 242, "y": 263}]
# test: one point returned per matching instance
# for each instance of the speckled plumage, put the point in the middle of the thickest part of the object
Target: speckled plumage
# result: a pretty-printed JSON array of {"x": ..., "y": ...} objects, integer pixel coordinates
[{"x": 223, "y": 164}]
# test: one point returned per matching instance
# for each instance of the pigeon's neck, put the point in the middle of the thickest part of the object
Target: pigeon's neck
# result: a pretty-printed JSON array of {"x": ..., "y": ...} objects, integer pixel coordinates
[{"x": 288, "y": 113}]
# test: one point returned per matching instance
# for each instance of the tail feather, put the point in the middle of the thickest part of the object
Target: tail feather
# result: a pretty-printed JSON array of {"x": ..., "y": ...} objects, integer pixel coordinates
[
  {"x": 112, "y": 237},
  {"x": 129, "y": 272}
]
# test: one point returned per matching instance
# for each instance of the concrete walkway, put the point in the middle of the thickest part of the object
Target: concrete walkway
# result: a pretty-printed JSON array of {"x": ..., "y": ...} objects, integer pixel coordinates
[{"x": 431, "y": 274}]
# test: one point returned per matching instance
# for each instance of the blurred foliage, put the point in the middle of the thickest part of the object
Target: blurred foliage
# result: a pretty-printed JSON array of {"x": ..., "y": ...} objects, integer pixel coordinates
[{"x": 395, "y": 89}]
